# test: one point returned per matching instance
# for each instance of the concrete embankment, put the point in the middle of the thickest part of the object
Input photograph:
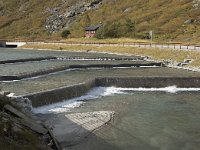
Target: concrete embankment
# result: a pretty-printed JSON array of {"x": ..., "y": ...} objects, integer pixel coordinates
[
  {"x": 132, "y": 58},
  {"x": 60, "y": 94},
  {"x": 27, "y": 60},
  {"x": 72, "y": 58},
  {"x": 62, "y": 68},
  {"x": 149, "y": 82},
  {"x": 64, "y": 93}
]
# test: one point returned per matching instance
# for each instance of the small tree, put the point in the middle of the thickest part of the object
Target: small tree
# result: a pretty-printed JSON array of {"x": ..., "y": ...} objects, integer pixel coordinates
[
  {"x": 130, "y": 24},
  {"x": 113, "y": 31},
  {"x": 65, "y": 34},
  {"x": 100, "y": 33}
]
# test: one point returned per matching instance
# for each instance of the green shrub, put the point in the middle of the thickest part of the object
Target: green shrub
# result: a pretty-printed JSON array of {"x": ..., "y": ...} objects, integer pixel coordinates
[
  {"x": 100, "y": 34},
  {"x": 65, "y": 34}
]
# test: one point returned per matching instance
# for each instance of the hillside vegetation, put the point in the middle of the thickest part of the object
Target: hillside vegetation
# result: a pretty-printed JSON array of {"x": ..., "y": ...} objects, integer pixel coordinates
[
  {"x": 170, "y": 20},
  {"x": 26, "y": 18}
]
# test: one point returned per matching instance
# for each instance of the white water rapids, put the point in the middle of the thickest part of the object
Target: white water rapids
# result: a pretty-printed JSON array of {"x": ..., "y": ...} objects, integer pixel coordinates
[{"x": 99, "y": 92}]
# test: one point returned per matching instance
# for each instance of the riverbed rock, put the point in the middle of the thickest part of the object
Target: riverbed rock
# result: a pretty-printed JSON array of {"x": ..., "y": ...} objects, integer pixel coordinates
[
  {"x": 196, "y": 4},
  {"x": 189, "y": 21}
]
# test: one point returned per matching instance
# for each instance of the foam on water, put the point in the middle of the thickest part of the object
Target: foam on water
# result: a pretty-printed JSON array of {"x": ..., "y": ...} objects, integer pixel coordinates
[
  {"x": 12, "y": 95},
  {"x": 10, "y": 81},
  {"x": 99, "y": 92},
  {"x": 170, "y": 89},
  {"x": 65, "y": 106}
]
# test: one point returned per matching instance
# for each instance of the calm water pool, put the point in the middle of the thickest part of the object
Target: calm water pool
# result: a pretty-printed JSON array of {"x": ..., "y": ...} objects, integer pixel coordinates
[
  {"x": 7, "y": 54},
  {"x": 156, "y": 120},
  {"x": 145, "y": 121}
]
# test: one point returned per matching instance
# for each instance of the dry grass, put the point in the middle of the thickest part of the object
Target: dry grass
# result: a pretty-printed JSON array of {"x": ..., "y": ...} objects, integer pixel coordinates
[
  {"x": 25, "y": 19},
  {"x": 94, "y": 40},
  {"x": 154, "y": 53},
  {"x": 165, "y": 18}
]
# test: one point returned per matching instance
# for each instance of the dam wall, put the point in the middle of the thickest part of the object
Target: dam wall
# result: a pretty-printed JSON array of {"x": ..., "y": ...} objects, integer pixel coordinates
[
  {"x": 27, "y": 60},
  {"x": 60, "y": 94},
  {"x": 149, "y": 82},
  {"x": 64, "y": 93},
  {"x": 65, "y": 67}
]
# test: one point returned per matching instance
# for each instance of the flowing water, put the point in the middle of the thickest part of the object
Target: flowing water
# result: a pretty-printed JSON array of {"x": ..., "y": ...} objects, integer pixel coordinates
[
  {"x": 29, "y": 67},
  {"x": 72, "y": 77},
  {"x": 145, "y": 119}
]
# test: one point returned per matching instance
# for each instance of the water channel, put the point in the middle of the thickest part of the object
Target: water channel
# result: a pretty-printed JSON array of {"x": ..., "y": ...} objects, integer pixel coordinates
[{"x": 164, "y": 118}]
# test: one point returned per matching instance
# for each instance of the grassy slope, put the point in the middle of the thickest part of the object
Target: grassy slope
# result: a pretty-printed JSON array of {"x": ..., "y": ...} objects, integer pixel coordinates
[
  {"x": 166, "y": 17},
  {"x": 24, "y": 18}
]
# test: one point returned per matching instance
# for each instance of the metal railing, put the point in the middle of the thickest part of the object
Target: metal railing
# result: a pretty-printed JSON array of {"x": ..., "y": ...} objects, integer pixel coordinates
[{"x": 181, "y": 46}]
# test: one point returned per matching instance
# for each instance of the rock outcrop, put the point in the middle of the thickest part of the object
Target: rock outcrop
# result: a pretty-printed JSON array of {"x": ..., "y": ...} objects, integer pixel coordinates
[
  {"x": 196, "y": 4},
  {"x": 59, "y": 19}
]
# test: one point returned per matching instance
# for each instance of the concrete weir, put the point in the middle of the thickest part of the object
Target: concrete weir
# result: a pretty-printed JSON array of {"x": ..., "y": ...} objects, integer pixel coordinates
[
  {"x": 65, "y": 67},
  {"x": 149, "y": 82},
  {"x": 27, "y": 60},
  {"x": 64, "y": 93},
  {"x": 60, "y": 94}
]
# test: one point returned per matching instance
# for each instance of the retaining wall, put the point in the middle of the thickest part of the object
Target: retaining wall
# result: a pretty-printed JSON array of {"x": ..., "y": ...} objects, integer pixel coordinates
[
  {"x": 64, "y": 93},
  {"x": 60, "y": 94},
  {"x": 149, "y": 82},
  {"x": 62, "y": 68},
  {"x": 27, "y": 60}
]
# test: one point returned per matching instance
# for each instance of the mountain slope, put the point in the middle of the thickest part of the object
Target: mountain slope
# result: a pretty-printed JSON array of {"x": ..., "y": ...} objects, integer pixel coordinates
[
  {"x": 169, "y": 19},
  {"x": 36, "y": 18}
]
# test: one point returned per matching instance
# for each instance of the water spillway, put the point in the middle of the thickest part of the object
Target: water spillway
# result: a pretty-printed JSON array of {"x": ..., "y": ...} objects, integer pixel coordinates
[
  {"x": 105, "y": 101},
  {"x": 62, "y": 67},
  {"x": 60, "y": 94},
  {"x": 69, "y": 92},
  {"x": 149, "y": 82},
  {"x": 27, "y": 59}
]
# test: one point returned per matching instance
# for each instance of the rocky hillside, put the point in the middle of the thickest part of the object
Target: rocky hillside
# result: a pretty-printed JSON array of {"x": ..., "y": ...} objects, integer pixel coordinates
[
  {"x": 169, "y": 19},
  {"x": 36, "y": 18}
]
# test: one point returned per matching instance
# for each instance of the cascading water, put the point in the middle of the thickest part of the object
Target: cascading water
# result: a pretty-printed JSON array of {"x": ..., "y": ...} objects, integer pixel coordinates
[
  {"x": 126, "y": 116},
  {"x": 98, "y": 92}
]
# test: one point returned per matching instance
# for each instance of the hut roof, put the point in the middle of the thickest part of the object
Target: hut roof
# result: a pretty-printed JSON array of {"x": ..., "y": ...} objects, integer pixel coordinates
[{"x": 93, "y": 27}]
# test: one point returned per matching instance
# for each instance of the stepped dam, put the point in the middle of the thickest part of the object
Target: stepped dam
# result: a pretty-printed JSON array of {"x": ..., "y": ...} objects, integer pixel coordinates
[{"x": 105, "y": 101}]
